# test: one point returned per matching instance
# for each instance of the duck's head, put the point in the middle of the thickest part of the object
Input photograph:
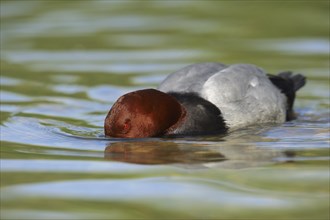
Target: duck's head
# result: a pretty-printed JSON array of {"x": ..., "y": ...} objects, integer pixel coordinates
[{"x": 143, "y": 113}]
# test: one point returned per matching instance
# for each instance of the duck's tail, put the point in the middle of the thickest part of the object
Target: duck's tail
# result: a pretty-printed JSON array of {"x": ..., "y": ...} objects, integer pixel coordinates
[
  {"x": 298, "y": 80},
  {"x": 289, "y": 84}
]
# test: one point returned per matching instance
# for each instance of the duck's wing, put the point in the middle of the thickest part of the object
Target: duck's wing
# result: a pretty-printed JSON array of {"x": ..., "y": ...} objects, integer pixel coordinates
[
  {"x": 190, "y": 78},
  {"x": 245, "y": 96}
]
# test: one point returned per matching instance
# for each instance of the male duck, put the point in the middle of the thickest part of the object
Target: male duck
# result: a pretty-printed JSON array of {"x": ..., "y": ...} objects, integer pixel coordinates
[{"x": 205, "y": 98}]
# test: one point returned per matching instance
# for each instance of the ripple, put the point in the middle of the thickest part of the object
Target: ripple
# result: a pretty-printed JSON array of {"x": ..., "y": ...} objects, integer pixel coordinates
[
  {"x": 31, "y": 131},
  {"x": 296, "y": 46},
  {"x": 13, "y": 97},
  {"x": 102, "y": 67},
  {"x": 154, "y": 79},
  {"x": 69, "y": 89},
  {"x": 8, "y": 81},
  {"x": 146, "y": 189},
  {"x": 81, "y": 56},
  {"x": 70, "y": 166},
  {"x": 109, "y": 93},
  {"x": 39, "y": 214}
]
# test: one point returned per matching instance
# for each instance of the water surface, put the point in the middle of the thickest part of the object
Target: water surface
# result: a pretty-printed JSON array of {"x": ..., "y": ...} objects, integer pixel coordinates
[{"x": 64, "y": 63}]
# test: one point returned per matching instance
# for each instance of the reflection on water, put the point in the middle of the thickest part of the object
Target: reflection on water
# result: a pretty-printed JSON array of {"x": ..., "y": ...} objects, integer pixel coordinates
[
  {"x": 64, "y": 63},
  {"x": 195, "y": 155},
  {"x": 160, "y": 153}
]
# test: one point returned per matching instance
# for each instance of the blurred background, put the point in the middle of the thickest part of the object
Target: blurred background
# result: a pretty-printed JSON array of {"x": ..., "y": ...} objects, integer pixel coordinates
[{"x": 64, "y": 63}]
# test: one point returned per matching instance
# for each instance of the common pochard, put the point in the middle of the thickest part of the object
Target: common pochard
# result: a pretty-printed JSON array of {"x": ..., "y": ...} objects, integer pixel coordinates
[{"x": 205, "y": 98}]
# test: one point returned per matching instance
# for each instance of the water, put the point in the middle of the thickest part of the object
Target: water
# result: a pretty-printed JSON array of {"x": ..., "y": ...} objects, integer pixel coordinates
[{"x": 64, "y": 63}]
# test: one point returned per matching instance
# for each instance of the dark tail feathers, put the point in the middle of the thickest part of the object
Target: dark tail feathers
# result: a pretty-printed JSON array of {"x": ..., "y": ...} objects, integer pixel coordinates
[
  {"x": 297, "y": 79},
  {"x": 288, "y": 83}
]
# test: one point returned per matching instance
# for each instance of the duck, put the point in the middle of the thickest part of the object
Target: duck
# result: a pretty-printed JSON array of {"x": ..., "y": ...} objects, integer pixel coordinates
[{"x": 205, "y": 99}]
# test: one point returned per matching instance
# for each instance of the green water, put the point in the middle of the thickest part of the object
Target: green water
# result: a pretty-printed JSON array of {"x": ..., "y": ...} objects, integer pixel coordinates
[{"x": 64, "y": 63}]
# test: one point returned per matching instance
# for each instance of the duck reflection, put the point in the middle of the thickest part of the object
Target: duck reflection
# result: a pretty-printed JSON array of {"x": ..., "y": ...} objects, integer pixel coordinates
[
  {"x": 194, "y": 155},
  {"x": 160, "y": 153}
]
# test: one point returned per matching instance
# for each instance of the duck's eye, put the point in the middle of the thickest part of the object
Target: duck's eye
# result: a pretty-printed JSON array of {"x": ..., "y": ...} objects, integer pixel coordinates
[{"x": 126, "y": 126}]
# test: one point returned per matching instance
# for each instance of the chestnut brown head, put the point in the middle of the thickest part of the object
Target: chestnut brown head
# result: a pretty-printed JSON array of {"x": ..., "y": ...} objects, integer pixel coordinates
[{"x": 143, "y": 113}]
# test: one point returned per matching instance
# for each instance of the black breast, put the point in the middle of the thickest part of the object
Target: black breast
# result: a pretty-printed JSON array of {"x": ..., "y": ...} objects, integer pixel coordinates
[{"x": 202, "y": 116}]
